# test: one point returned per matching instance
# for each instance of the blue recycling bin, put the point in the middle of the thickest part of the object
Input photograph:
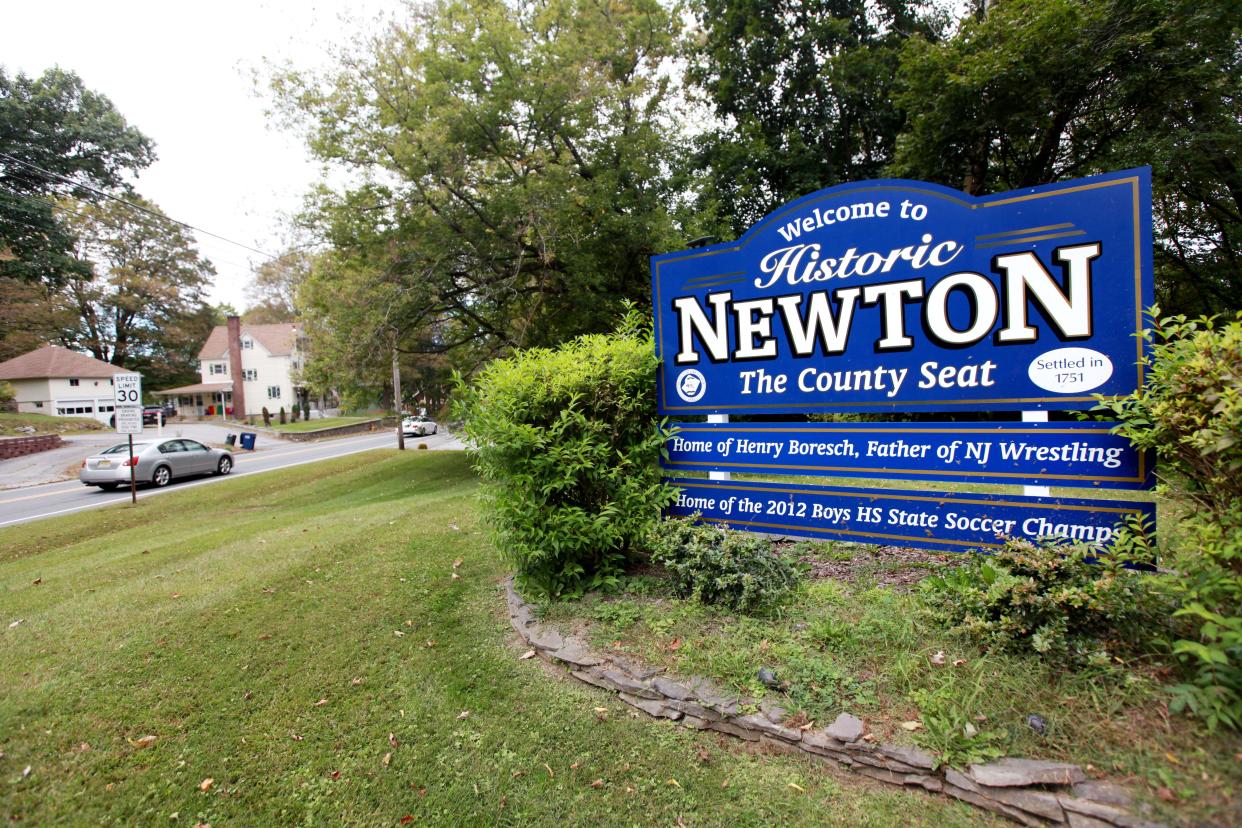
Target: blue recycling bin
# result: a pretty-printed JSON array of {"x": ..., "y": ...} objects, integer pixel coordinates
[{"x": 247, "y": 440}]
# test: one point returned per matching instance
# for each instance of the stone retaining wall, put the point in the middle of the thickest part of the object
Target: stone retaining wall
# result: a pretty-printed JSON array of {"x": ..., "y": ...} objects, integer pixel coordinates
[
  {"x": 331, "y": 431},
  {"x": 1026, "y": 791},
  {"x": 21, "y": 446}
]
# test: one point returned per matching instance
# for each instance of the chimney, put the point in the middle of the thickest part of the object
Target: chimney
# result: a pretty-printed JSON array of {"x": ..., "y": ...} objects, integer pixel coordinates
[{"x": 235, "y": 367}]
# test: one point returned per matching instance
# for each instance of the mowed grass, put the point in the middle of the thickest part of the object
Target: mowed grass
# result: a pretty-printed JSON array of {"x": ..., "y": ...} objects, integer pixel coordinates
[
  {"x": 298, "y": 639},
  {"x": 315, "y": 425},
  {"x": 46, "y": 424}
]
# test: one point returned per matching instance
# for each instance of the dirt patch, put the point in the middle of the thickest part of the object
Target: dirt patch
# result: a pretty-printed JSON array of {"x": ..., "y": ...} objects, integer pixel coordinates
[{"x": 894, "y": 567}]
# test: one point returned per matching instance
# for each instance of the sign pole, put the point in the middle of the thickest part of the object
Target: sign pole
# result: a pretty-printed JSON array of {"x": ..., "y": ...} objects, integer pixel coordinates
[{"x": 133, "y": 485}]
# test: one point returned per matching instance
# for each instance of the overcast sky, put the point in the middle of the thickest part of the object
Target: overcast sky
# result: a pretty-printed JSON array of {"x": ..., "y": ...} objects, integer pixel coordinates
[{"x": 182, "y": 73}]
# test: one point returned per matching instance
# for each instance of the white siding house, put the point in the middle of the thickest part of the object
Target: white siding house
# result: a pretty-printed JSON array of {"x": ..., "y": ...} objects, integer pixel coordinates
[
  {"x": 270, "y": 358},
  {"x": 61, "y": 383}
]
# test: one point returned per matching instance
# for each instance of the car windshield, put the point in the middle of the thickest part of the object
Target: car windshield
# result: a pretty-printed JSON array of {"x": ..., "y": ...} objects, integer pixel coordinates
[{"x": 121, "y": 448}]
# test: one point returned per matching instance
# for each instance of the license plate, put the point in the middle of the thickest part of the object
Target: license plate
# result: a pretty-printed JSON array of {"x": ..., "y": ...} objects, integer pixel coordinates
[{"x": 105, "y": 464}]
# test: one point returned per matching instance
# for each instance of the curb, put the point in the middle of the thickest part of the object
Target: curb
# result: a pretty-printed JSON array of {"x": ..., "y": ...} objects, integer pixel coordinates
[{"x": 1027, "y": 791}]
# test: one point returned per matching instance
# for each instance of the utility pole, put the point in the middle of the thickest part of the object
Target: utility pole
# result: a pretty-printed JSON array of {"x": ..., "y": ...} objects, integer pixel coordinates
[{"x": 396, "y": 399}]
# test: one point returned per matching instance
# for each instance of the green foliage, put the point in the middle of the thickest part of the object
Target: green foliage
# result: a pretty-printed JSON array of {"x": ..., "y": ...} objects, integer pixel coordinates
[
  {"x": 1049, "y": 599},
  {"x": 267, "y": 417},
  {"x": 715, "y": 565},
  {"x": 566, "y": 442},
  {"x": 1189, "y": 412},
  {"x": 282, "y": 415},
  {"x": 7, "y": 394},
  {"x": 951, "y": 727}
]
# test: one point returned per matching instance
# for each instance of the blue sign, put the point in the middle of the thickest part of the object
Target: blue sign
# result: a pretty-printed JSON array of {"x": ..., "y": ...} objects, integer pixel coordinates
[
  {"x": 1070, "y": 454},
  {"x": 949, "y": 521},
  {"x": 905, "y": 296}
]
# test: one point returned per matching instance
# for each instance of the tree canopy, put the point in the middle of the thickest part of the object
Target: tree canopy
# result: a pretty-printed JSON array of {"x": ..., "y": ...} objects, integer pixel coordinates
[{"x": 511, "y": 167}]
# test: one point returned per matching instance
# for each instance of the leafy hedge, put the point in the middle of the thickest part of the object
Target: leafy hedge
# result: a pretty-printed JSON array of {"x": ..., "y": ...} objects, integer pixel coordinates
[
  {"x": 567, "y": 443},
  {"x": 1190, "y": 412}
]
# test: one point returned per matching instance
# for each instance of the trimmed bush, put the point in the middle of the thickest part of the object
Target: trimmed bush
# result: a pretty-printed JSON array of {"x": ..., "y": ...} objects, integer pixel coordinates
[
  {"x": 1051, "y": 599},
  {"x": 1190, "y": 412},
  {"x": 715, "y": 565},
  {"x": 567, "y": 443}
]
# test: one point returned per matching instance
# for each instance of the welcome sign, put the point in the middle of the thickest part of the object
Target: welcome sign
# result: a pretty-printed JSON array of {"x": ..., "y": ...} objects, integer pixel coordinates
[{"x": 905, "y": 296}]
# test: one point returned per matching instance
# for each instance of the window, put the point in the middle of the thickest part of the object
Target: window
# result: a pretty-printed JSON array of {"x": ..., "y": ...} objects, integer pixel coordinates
[
  {"x": 73, "y": 383},
  {"x": 38, "y": 404},
  {"x": 250, "y": 374},
  {"x": 273, "y": 392},
  {"x": 247, "y": 344},
  {"x": 219, "y": 368}
]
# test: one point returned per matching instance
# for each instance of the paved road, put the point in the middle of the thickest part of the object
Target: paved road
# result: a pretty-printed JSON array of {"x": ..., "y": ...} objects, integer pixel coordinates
[{"x": 33, "y": 502}]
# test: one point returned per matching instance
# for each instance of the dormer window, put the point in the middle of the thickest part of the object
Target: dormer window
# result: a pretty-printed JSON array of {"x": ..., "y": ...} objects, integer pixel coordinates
[{"x": 247, "y": 343}]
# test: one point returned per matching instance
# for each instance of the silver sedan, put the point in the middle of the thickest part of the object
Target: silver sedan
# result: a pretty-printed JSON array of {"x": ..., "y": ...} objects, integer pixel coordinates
[{"x": 155, "y": 462}]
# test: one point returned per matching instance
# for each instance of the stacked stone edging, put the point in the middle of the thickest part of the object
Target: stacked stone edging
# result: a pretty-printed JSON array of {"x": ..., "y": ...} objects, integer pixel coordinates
[
  {"x": 21, "y": 446},
  {"x": 1027, "y": 791}
]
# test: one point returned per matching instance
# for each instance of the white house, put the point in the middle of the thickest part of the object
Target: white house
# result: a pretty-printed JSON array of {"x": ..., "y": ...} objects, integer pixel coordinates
[
  {"x": 61, "y": 383},
  {"x": 266, "y": 358}
]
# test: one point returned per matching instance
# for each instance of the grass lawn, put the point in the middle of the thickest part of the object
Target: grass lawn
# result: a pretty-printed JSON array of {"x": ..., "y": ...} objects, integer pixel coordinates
[
  {"x": 46, "y": 424},
  {"x": 297, "y": 639},
  {"x": 315, "y": 425},
  {"x": 861, "y": 642}
]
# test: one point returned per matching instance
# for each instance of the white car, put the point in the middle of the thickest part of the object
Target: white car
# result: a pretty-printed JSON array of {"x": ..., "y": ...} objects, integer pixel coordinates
[{"x": 418, "y": 427}]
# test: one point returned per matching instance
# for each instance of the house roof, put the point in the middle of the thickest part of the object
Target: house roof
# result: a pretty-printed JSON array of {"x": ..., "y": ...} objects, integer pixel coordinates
[
  {"x": 197, "y": 388},
  {"x": 55, "y": 361},
  {"x": 277, "y": 338}
]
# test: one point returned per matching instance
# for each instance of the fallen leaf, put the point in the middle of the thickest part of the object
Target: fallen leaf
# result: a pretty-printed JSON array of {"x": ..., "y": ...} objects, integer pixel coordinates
[
  {"x": 457, "y": 563},
  {"x": 407, "y": 819},
  {"x": 1166, "y": 794},
  {"x": 15, "y": 623},
  {"x": 601, "y": 713},
  {"x": 84, "y": 747},
  {"x": 911, "y": 726},
  {"x": 518, "y": 773},
  {"x": 725, "y": 783},
  {"x": 356, "y": 682},
  {"x": 409, "y": 623},
  {"x": 392, "y": 740},
  {"x": 336, "y": 774},
  {"x": 674, "y": 783},
  {"x": 142, "y": 741},
  {"x": 387, "y": 758},
  {"x": 958, "y": 662},
  {"x": 206, "y": 784},
  {"x": 320, "y": 703},
  {"x": 265, "y": 636},
  {"x": 465, "y": 714},
  {"x": 202, "y": 825},
  {"x": 704, "y": 756},
  {"x": 295, "y": 737},
  {"x": 1173, "y": 759},
  {"x": 422, "y": 792},
  {"x": 456, "y": 576},
  {"x": 527, "y": 654},
  {"x": 431, "y": 642},
  {"x": 598, "y": 783},
  {"x": 26, "y": 771},
  {"x": 548, "y": 768},
  {"x": 38, "y": 581},
  {"x": 269, "y": 590},
  {"x": 454, "y": 527},
  {"x": 398, "y": 633},
  {"x": 176, "y": 595},
  {"x": 938, "y": 658},
  {"x": 674, "y": 645},
  {"x": 797, "y": 787}
]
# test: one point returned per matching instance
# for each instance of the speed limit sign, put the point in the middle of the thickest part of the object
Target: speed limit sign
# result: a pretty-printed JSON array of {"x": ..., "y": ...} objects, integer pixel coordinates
[{"x": 128, "y": 389}]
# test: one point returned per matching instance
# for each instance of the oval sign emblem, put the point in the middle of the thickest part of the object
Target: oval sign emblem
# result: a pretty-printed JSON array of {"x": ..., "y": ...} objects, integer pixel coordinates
[{"x": 1070, "y": 370}]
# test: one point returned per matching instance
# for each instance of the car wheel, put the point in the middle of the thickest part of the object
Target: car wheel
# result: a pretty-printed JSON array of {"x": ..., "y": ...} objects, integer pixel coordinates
[
  {"x": 435, "y": 429},
  {"x": 225, "y": 465},
  {"x": 109, "y": 487},
  {"x": 161, "y": 477},
  {"x": 112, "y": 421}
]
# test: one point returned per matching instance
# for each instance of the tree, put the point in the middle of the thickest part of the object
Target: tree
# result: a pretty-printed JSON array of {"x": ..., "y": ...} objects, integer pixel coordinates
[
  {"x": 513, "y": 166},
  {"x": 56, "y": 137},
  {"x": 143, "y": 305},
  {"x": 802, "y": 91},
  {"x": 1037, "y": 91},
  {"x": 274, "y": 288}
]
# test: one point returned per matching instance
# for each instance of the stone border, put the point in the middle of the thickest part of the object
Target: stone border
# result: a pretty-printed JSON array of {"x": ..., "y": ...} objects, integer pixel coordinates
[
  {"x": 1027, "y": 791},
  {"x": 11, "y": 447}
]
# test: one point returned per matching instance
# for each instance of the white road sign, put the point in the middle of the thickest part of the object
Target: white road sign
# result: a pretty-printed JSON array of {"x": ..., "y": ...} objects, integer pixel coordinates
[
  {"x": 128, "y": 390},
  {"x": 128, "y": 419}
]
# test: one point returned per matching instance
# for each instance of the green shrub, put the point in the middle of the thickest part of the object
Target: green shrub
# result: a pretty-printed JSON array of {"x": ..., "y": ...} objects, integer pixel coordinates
[
  {"x": 715, "y": 565},
  {"x": 1190, "y": 412},
  {"x": 567, "y": 443},
  {"x": 1051, "y": 600},
  {"x": 7, "y": 394}
]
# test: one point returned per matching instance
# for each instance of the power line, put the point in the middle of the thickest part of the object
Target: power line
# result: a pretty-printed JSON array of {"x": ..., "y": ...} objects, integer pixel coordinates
[{"x": 72, "y": 182}]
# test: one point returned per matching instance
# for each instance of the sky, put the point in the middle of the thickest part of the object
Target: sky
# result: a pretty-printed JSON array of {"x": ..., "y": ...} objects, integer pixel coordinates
[{"x": 183, "y": 73}]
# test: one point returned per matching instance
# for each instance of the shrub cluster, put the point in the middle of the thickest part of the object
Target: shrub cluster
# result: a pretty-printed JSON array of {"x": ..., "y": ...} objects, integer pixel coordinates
[
  {"x": 567, "y": 443},
  {"x": 1052, "y": 599},
  {"x": 715, "y": 565},
  {"x": 1190, "y": 412}
]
